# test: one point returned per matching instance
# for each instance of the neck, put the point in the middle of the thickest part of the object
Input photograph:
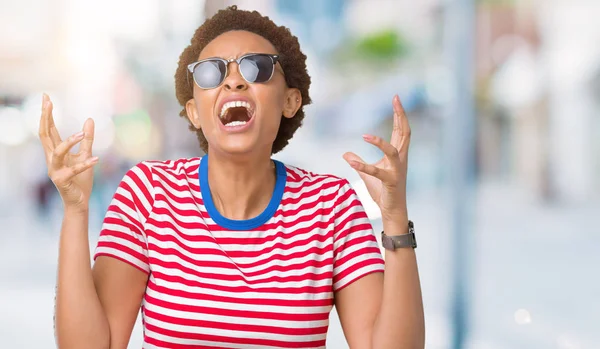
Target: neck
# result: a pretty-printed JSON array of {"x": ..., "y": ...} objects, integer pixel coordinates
[{"x": 241, "y": 186}]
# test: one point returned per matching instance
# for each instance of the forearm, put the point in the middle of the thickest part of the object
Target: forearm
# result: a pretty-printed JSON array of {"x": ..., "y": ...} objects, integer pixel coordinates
[
  {"x": 400, "y": 321},
  {"x": 80, "y": 319}
]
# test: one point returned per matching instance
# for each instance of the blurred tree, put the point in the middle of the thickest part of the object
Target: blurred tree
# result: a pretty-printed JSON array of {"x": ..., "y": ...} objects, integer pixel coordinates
[{"x": 386, "y": 44}]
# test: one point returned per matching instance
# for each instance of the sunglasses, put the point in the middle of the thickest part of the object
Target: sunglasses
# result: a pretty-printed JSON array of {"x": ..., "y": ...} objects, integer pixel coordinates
[{"x": 254, "y": 68}]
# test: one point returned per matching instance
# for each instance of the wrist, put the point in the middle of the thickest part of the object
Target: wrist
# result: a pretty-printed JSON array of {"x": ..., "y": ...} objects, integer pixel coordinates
[
  {"x": 76, "y": 210},
  {"x": 395, "y": 226},
  {"x": 396, "y": 213}
]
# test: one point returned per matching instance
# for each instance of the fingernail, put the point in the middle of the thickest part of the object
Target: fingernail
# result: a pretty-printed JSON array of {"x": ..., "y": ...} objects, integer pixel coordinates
[
  {"x": 353, "y": 163},
  {"x": 93, "y": 159},
  {"x": 367, "y": 137},
  {"x": 78, "y": 134}
]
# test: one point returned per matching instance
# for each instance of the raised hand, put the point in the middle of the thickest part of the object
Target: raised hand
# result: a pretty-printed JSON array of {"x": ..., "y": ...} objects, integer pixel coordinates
[
  {"x": 386, "y": 179},
  {"x": 72, "y": 174}
]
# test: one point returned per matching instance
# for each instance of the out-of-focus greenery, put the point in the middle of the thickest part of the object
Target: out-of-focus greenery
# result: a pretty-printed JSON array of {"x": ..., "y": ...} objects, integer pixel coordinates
[
  {"x": 385, "y": 48},
  {"x": 386, "y": 44}
]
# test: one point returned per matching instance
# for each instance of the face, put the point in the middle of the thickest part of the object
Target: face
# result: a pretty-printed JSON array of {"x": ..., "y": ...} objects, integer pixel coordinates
[{"x": 257, "y": 107}]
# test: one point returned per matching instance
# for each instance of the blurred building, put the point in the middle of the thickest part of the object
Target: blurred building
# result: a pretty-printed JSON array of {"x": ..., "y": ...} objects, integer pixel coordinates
[{"x": 539, "y": 118}]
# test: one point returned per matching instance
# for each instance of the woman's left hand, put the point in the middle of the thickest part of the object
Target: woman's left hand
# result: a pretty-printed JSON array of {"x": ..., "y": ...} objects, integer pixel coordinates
[{"x": 386, "y": 179}]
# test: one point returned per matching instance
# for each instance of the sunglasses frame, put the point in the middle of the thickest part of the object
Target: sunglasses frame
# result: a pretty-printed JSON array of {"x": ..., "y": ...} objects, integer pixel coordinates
[{"x": 192, "y": 66}]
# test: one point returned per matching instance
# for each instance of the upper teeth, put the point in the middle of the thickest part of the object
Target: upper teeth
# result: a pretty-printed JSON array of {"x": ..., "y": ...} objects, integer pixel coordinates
[{"x": 233, "y": 104}]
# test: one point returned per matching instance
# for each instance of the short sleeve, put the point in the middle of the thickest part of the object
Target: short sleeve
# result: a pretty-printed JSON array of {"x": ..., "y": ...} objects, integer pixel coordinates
[
  {"x": 123, "y": 233},
  {"x": 356, "y": 250}
]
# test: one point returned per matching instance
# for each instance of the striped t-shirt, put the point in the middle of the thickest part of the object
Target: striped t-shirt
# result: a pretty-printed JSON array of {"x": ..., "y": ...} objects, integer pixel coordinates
[{"x": 213, "y": 282}]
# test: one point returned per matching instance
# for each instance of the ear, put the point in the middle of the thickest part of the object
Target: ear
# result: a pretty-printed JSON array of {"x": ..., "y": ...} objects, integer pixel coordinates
[
  {"x": 293, "y": 102},
  {"x": 192, "y": 112}
]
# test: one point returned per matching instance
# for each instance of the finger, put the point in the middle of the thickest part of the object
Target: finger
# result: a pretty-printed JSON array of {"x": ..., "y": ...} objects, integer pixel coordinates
[
  {"x": 388, "y": 149},
  {"x": 365, "y": 169},
  {"x": 51, "y": 129},
  {"x": 405, "y": 136},
  {"x": 54, "y": 135},
  {"x": 82, "y": 166},
  {"x": 67, "y": 173},
  {"x": 43, "y": 130},
  {"x": 352, "y": 158},
  {"x": 399, "y": 115},
  {"x": 58, "y": 156},
  {"x": 88, "y": 139}
]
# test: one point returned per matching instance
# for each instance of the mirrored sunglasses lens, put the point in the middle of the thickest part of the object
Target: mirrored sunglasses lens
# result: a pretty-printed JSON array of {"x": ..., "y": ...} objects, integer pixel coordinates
[
  {"x": 257, "y": 68},
  {"x": 209, "y": 74}
]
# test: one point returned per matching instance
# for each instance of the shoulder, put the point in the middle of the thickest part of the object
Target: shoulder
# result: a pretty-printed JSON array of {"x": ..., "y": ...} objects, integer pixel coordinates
[
  {"x": 147, "y": 174},
  {"x": 166, "y": 169},
  {"x": 170, "y": 166},
  {"x": 304, "y": 180}
]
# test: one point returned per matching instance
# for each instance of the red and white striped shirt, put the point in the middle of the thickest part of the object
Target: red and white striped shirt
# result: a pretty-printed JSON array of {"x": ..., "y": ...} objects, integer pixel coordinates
[{"x": 266, "y": 282}]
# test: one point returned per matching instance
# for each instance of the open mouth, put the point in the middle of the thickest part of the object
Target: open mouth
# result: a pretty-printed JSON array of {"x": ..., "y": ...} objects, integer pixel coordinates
[{"x": 236, "y": 113}]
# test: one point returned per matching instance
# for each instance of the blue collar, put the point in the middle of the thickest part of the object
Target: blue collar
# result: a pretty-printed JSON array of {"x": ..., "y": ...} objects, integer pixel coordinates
[{"x": 244, "y": 224}]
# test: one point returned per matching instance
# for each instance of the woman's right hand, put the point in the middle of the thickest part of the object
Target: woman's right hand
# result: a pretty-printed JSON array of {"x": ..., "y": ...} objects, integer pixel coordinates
[{"x": 72, "y": 174}]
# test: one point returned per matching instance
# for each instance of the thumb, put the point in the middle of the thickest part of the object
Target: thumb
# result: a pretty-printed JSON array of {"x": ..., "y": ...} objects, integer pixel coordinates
[{"x": 350, "y": 158}]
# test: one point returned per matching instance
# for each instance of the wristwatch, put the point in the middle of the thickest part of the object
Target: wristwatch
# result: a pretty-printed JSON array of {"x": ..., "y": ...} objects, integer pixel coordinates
[{"x": 400, "y": 241}]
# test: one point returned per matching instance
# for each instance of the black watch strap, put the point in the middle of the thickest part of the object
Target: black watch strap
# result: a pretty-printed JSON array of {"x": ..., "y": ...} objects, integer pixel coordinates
[{"x": 400, "y": 241}]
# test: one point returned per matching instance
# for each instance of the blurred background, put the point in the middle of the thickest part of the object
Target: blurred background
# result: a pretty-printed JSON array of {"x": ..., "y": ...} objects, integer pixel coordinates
[{"x": 503, "y": 97}]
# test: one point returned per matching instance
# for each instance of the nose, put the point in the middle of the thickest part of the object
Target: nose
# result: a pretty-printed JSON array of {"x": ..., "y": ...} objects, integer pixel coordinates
[{"x": 234, "y": 80}]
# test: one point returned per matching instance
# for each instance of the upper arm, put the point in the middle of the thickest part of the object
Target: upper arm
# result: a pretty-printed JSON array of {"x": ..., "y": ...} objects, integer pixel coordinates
[
  {"x": 122, "y": 265},
  {"x": 120, "y": 288},
  {"x": 357, "y": 306},
  {"x": 357, "y": 269}
]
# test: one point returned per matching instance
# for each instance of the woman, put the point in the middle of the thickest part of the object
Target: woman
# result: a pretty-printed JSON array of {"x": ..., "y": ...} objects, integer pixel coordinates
[{"x": 235, "y": 249}]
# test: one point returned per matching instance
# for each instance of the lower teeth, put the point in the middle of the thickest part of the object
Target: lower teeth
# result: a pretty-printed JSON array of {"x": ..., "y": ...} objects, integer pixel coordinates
[{"x": 236, "y": 123}]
